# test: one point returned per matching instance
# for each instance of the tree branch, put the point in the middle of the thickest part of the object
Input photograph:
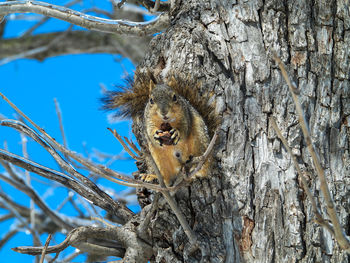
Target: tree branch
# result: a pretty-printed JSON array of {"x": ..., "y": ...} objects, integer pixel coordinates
[
  {"x": 21, "y": 185},
  {"x": 64, "y": 180},
  {"x": 45, "y": 19},
  {"x": 99, "y": 196},
  {"x": 75, "y": 42},
  {"x": 86, "y": 21},
  {"x": 45, "y": 248},
  {"x": 84, "y": 239}
]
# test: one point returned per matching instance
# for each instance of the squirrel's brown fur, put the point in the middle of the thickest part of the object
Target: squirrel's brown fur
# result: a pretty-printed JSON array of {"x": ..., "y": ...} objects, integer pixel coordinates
[
  {"x": 176, "y": 119},
  {"x": 130, "y": 100}
]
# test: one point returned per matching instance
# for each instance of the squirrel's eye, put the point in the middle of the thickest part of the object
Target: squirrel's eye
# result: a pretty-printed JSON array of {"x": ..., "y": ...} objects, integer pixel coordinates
[
  {"x": 151, "y": 101},
  {"x": 174, "y": 98}
]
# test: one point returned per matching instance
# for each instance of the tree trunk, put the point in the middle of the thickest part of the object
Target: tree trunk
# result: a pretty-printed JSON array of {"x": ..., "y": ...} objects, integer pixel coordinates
[{"x": 252, "y": 207}]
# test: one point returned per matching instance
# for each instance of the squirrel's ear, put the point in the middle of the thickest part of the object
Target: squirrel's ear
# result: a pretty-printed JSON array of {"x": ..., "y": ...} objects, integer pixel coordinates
[
  {"x": 172, "y": 81},
  {"x": 151, "y": 85}
]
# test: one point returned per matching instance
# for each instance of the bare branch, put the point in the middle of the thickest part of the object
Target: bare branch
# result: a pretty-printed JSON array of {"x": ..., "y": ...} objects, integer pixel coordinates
[
  {"x": 59, "y": 115},
  {"x": 49, "y": 143},
  {"x": 338, "y": 232},
  {"x": 86, "y": 21},
  {"x": 119, "y": 209},
  {"x": 133, "y": 146},
  {"x": 45, "y": 248},
  {"x": 126, "y": 148},
  {"x": 75, "y": 42},
  {"x": 8, "y": 236},
  {"x": 6, "y": 217},
  {"x": 34, "y": 51},
  {"x": 9, "y": 170},
  {"x": 62, "y": 179},
  {"x": 22, "y": 186},
  {"x": 319, "y": 219},
  {"x": 84, "y": 239},
  {"x": 68, "y": 258},
  {"x": 100, "y": 170},
  {"x": 185, "y": 179},
  {"x": 202, "y": 159}
]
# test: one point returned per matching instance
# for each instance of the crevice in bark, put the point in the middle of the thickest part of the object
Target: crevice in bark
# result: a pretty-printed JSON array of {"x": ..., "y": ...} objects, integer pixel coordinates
[
  {"x": 227, "y": 72},
  {"x": 260, "y": 14},
  {"x": 288, "y": 39},
  {"x": 332, "y": 73}
]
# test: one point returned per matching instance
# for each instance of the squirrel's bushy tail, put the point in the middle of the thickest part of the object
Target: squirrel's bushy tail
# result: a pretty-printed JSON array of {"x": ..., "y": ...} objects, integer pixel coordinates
[{"x": 129, "y": 100}]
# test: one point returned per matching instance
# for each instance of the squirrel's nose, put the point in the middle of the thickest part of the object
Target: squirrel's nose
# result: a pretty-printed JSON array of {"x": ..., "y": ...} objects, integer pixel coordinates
[{"x": 165, "y": 117}]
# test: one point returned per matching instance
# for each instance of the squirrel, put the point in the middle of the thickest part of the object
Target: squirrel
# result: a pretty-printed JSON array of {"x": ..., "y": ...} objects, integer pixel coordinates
[{"x": 175, "y": 130}]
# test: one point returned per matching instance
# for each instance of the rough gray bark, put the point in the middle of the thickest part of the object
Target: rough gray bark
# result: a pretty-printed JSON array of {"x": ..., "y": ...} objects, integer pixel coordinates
[{"x": 252, "y": 208}]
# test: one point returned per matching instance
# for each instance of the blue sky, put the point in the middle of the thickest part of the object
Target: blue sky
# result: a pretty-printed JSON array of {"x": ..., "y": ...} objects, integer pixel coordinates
[{"x": 75, "y": 82}]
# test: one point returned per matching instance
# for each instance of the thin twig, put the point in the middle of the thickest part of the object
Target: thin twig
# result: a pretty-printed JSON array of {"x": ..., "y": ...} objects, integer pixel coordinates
[
  {"x": 186, "y": 179},
  {"x": 58, "y": 177},
  {"x": 6, "y": 217},
  {"x": 68, "y": 258},
  {"x": 338, "y": 232},
  {"x": 319, "y": 219},
  {"x": 22, "y": 186},
  {"x": 136, "y": 9},
  {"x": 103, "y": 221},
  {"x": 103, "y": 171},
  {"x": 45, "y": 248},
  {"x": 10, "y": 234},
  {"x": 65, "y": 201},
  {"x": 100, "y": 170},
  {"x": 12, "y": 207},
  {"x": 204, "y": 157},
  {"x": 9, "y": 170},
  {"x": 123, "y": 212},
  {"x": 126, "y": 148},
  {"x": 86, "y": 21},
  {"x": 59, "y": 116},
  {"x": 133, "y": 146},
  {"x": 172, "y": 203},
  {"x": 24, "y": 141},
  {"x": 56, "y": 256}
]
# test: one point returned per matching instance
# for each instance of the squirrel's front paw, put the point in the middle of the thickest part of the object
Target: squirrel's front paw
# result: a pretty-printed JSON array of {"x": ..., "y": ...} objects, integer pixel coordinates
[
  {"x": 158, "y": 137},
  {"x": 166, "y": 137},
  {"x": 175, "y": 136}
]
